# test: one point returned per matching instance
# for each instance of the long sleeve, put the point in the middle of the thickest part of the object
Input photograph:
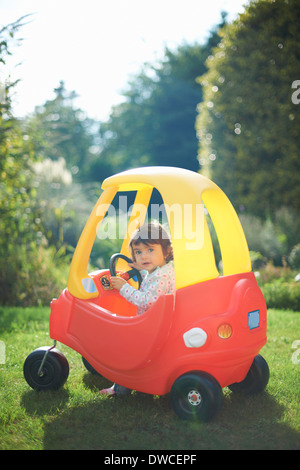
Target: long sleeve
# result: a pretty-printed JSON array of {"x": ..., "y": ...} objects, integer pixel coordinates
[{"x": 158, "y": 283}]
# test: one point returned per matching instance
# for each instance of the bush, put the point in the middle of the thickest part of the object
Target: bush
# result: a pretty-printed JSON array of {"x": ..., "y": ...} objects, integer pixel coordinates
[
  {"x": 32, "y": 277},
  {"x": 279, "y": 287},
  {"x": 257, "y": 260},
  {"x": 282, "y": 295},
  {"x": 274, "y": 238},
  {"x": 262, "y": 238},
  {"x": 269, "y": 273},
  {"x": 294, "y": 257}
]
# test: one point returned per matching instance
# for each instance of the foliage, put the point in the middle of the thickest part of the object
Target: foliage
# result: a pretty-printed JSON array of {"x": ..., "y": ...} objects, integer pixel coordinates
[
  {"x": 52, "y": 181},
  {"x": 14, "y": 152},
  {"x": 62, "y": 131},
  {"x": 281, "y": 294},
  {"x": 279, "y": 286},
  {"x": 18, "y": 224},
  {"x": 155, "y": 123},
  {"x": 274, "y": 238},
  {"x": 248, "y": 126},
  {"x": 27, "y": 272},
  {"x": 17, "y": 221},
  {"x": 269, "y": 273},
  {"x": 77, "y": 417},
  {"x": 36, "y": 256},
  {"x": 32, "y": 277},
  {"x": 294, "y": 257},
  {"x": 8, "y": 36},
  {"x": 262, "y": 237}
]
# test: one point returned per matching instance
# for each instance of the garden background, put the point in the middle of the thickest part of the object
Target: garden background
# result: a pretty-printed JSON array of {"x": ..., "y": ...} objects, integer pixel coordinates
[{"x": 228, "y": 108}]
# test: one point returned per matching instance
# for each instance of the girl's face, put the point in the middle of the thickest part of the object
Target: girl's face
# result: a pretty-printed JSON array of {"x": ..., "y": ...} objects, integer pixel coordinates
[{"x": 148, "y": 257}]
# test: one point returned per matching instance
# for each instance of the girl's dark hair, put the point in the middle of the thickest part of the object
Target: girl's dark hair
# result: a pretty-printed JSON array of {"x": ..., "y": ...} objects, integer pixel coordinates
[{"x": 152, "y": 234}]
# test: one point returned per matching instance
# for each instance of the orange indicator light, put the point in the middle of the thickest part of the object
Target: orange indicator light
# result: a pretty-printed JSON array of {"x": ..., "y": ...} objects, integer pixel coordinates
[{"x": 225, "y": 331}]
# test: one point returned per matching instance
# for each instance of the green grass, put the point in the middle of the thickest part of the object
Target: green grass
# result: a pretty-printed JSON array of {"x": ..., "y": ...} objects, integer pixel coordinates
[{"x": 77, "y": 417}]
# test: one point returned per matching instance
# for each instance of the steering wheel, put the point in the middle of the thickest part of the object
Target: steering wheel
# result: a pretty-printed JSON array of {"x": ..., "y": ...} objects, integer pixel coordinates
[{"x": 127, "y": 274}]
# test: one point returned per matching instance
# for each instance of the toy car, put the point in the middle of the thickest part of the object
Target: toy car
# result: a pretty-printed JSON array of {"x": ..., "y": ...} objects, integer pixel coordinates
[{"x": 206, "y": 336}]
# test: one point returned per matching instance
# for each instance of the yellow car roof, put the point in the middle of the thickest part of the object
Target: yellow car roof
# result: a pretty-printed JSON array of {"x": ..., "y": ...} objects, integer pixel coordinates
[{"x": 156, "y": 176}]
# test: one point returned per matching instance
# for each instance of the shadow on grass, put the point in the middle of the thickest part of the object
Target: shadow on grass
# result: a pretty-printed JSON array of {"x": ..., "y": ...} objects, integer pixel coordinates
[
  {"x": 44, "y": 403},
  {"x": 141, "y": 421}
]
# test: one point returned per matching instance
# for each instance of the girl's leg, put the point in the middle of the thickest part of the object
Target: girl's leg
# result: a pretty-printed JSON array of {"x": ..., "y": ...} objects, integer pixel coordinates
[
  {"x": 115, "y": 390},
  {"x": 120, "y": 390}
]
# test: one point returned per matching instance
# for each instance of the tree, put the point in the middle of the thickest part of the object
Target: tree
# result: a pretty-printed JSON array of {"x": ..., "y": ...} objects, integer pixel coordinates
[
  {"x": 248, "y": 126},
  {"x": 31, "y": 272},
  {"x": 17, "y": 223},
  {"x": 155, "y": 124},
  {"x": 63, "y": 131}
]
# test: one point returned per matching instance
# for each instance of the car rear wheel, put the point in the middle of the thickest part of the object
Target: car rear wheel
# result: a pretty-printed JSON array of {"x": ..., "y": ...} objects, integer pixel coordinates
[
  {"x": 90, "y": 368},
  {"x": 196, "y": 396},
  {"x": 52, "y": 375},
  {"x": 256, "y": 380}
]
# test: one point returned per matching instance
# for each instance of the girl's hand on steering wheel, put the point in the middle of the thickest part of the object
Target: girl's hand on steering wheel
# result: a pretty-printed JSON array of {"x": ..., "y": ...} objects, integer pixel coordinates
[{"x": 117, "y": 282}]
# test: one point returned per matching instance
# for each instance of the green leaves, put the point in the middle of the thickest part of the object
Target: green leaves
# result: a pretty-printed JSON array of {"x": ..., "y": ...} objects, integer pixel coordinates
[
  {"x": 156, "y": 123},
  {"x": 247, "y": 124},
  {"x": 59, "y": 130}
]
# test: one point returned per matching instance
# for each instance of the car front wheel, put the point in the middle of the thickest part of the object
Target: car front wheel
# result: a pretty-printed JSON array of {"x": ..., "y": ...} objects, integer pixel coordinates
[
  {"x": 196, "y": 396},
  {"x": 53, "y": 373}
]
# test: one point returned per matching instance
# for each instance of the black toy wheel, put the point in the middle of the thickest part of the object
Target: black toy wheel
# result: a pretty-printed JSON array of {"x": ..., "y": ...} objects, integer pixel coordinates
[
  {"x": 54, "y": 372},
  {"x": 257, "y": 378},
  {"x": 196, "y": 396},
  {"x": 90, "y": 368}
]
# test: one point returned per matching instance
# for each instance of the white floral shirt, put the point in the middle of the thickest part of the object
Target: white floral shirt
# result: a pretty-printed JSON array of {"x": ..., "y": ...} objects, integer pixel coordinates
[{"x": 161, "y": 281}]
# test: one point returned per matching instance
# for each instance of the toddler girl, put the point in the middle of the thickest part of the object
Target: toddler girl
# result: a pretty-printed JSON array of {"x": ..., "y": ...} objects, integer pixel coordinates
[{"x": 152, "y": 255}]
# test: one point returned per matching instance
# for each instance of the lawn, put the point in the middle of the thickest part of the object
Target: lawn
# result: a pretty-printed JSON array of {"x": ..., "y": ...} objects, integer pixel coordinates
[{"x": 77, "y": 417}]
